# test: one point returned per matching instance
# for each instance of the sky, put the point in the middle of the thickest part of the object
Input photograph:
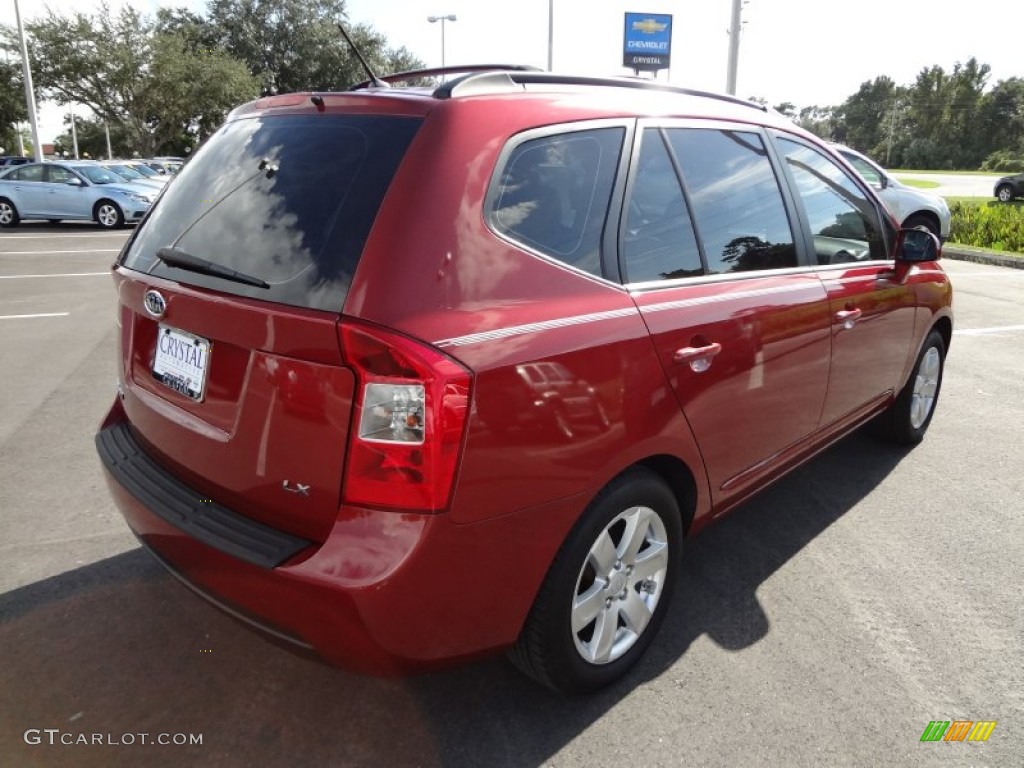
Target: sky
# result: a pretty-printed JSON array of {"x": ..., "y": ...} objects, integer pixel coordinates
[{"x": 804, "y": 52}]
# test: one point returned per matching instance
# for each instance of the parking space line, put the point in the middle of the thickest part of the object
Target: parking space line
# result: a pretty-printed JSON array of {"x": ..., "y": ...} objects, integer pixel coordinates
[
  {"x": 39, "y": 253},
  {"x": 988, "y": 331},
  {"x": 31, "y": 317},
  {"x": 55, "y": 237},
  {"x": 59, "y": 274}
]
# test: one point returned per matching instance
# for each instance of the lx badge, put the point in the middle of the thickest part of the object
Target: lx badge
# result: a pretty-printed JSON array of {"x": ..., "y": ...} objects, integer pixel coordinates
[{"x": 299, "y": 488}]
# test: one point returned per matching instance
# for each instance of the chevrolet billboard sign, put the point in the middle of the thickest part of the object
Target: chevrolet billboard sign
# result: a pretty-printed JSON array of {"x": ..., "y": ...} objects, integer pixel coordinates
[{"x": 648, "y": 41}]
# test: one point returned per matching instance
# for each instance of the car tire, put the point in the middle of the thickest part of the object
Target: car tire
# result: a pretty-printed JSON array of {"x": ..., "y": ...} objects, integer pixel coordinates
[
  {"x": 1005, "y": 193},
  {"x": 108, "y": 214},
  {"x": 8, "y": 213},
  {"x": 920, "y": 220},
  {"x": 607, "y": 590},
  {"x": 907, "y": 419}
]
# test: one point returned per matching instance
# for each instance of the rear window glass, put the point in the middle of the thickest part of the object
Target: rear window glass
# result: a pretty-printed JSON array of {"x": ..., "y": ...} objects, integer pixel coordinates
[{"x": 289, "y": 200}]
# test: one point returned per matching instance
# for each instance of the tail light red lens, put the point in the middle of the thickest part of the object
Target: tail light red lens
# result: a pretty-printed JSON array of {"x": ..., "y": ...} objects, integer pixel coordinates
[{"x": 410, "y": 415}]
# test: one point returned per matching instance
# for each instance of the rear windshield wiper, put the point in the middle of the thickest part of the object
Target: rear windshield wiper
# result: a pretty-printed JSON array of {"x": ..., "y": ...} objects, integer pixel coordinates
[{"x": 174, "y": 257}]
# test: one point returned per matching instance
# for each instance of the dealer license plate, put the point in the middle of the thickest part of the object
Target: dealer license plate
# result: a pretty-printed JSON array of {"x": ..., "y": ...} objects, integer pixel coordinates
[{"x": 181, "y": 361}]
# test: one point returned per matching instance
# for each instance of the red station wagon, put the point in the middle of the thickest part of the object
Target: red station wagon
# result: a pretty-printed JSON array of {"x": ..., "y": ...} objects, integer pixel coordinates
[{"x": 412, "y": 375}]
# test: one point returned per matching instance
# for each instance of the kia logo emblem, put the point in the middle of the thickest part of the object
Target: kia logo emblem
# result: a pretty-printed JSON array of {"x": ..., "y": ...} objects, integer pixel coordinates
[{"x": 154, "y": 303}]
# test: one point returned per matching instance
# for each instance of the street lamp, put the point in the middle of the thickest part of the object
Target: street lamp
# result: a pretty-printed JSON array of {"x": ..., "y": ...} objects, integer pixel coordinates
[
  {"x": 30, "y": 97},
  {"x": 551, "y": 33},
  {"x": 442, "y": 19}
]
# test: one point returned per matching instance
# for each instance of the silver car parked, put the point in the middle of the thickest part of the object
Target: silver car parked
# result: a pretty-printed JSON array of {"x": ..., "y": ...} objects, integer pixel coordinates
[
  {"x": 911, "y": 207},
  {"x": 83, "y": 191}
]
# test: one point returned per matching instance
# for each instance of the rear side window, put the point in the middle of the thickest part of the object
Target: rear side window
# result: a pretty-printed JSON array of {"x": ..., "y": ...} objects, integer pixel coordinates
[
  {"x": 28, "y": 173},
  {"x": 552, "y": 194},
  {"x": 288, "y": 199},
  {"x": 658, "y": 241},
  {"x": 735, "y": 200}
]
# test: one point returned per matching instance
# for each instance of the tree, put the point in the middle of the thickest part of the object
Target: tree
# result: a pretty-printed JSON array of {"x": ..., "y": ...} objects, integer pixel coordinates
[
  {"x": 92, "y": 138},
  {"x": 942, "y": 116},
  {"x": 787, "y": 108},
  {"x": 294, "y": 45},
  {"x": 12, "y": 105},
  {"x": 1000, "y": 121},
  {"x": 149, "y": 83},
  {"x": 863, "y": 121},
  {"x": 821, "y": 121}
]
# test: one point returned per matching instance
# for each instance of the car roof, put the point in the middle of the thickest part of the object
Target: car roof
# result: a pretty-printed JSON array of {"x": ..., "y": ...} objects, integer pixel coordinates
[{"x": 588, "y": 96}]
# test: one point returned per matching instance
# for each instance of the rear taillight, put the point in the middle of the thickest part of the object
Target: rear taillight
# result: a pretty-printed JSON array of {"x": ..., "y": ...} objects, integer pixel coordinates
[{"x": 410, "y": 415}]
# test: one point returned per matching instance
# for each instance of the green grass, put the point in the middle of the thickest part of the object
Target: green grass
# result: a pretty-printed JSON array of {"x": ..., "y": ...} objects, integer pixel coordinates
[
  {"x": 896, "y": 171},
  {"x": 920, "y": 183},
  {"x": 977, "y": 200}
]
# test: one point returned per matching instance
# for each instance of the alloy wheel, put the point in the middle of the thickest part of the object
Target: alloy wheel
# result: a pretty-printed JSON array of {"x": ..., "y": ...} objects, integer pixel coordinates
[
  {"x": 925, "y": 386},
  {"x": 619, "y": 585}
]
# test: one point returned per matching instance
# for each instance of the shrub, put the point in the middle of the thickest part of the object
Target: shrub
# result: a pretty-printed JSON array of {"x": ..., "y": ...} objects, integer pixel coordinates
[
  {"x": 1004, "y": 161},
  {"x": 989, "y": 225}
]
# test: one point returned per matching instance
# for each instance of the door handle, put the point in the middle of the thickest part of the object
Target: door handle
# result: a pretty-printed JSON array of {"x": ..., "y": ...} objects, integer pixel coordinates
[
  {"x": 699, "y": 358},
  {"x": 848, "y": 317}
]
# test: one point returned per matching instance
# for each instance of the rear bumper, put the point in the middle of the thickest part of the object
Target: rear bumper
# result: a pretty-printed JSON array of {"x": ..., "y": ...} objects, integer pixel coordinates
[{"x": 385, "y": 593}]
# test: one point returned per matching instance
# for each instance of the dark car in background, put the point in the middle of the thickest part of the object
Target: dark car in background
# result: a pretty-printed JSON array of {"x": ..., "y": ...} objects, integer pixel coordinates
[
  {"x": 411, "y": 375},
  {"x": 1009, "y": 188}
]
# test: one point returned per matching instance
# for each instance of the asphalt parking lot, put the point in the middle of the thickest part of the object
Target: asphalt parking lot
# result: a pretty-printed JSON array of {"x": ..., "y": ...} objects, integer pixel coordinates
[{"x": 825, "y": 623}]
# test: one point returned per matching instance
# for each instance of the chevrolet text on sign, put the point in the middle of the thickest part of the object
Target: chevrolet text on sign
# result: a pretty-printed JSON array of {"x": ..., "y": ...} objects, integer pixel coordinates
[{"x": 647, "y": 43}]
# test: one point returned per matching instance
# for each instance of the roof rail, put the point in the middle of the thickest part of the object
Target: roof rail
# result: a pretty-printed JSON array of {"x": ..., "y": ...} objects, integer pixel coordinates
[
  {"x": 417, "y": 74},
  {"x": 473, "y": 84}
]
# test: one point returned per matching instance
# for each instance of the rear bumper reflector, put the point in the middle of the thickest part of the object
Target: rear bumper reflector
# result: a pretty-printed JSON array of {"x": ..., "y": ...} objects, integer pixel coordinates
[{"x": 187, "y": 509}]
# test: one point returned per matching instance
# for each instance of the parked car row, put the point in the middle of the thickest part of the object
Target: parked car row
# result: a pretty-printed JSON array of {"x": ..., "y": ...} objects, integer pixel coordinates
[{"x": 80, "y": 190}]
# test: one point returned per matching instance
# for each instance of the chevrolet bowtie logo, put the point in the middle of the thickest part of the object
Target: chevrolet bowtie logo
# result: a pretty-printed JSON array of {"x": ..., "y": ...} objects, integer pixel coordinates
[{"x": 649, "y": 26}]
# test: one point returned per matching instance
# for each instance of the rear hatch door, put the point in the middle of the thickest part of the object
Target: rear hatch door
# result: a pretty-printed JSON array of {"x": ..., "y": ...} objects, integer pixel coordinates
[{"x": 230, "y": 293}]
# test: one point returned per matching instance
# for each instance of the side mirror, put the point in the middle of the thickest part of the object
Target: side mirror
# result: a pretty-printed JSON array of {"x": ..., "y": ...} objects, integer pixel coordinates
[
  {"x": 74, "y": 182},
  {"x": 914, "y": 246}
]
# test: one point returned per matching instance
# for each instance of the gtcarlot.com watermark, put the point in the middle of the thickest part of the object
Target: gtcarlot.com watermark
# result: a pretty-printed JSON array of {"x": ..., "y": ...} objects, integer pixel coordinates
[{"x": 56, "y": 737}]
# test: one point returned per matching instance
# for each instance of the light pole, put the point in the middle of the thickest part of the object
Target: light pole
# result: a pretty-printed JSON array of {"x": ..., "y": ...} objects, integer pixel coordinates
[
  {"x": 892, "y": 130},
  {"x": 30, "y": 99},
  {"x": 74, "y": 131},
  {"x": 551, "y": 33},
  {"x": 442, "y": 19},
  {"x": 734, "y": 46}
]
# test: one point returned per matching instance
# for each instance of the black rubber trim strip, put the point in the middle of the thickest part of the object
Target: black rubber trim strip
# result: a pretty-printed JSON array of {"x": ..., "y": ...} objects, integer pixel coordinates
[{"x": 187, "y": 509}]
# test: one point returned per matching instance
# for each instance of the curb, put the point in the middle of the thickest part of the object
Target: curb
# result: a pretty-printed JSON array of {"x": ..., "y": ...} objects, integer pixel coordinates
[{"x": 980, "y": 256}]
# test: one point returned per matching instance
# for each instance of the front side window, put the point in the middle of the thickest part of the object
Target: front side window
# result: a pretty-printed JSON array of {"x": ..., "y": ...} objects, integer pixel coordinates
[
  {"x": 844, "y": 223},
  {"x": 552, "y": 194},
  {"x": 98, "y": 175},
  {"x": 736, "y": 202},
  {"x": 58, "y": 175}
]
